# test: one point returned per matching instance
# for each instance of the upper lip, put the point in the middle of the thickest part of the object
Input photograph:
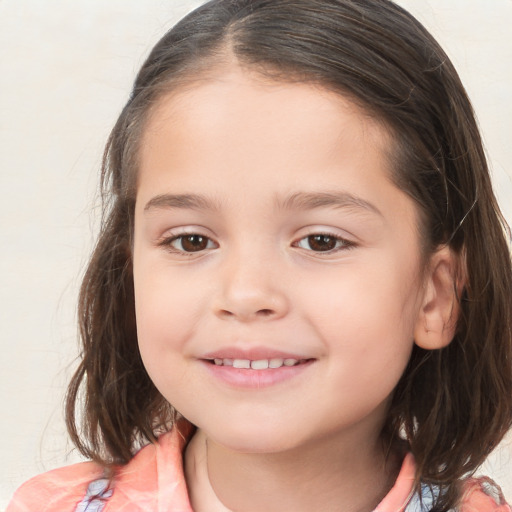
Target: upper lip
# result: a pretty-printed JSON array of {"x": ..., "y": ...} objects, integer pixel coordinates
[{"x": 252, "y": 354}]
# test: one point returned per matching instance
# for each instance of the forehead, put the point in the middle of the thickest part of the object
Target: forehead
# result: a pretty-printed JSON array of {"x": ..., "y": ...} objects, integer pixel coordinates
[{"x": 236, "y": 110}]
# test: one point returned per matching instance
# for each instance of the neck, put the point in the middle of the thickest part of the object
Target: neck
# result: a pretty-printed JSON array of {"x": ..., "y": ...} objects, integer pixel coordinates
[{"x": 331, "y": 475}]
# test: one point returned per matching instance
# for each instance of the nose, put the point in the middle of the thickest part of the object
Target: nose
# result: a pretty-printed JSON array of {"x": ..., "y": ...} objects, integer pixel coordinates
[{"x": 251, "y": 290}]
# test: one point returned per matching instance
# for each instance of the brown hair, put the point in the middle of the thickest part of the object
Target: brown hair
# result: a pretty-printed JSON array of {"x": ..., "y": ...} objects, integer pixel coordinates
[{"x": 452, "y": 405}]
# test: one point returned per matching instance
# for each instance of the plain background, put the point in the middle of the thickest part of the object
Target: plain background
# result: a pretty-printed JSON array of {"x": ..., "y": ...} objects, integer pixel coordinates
[{"x": 65, "y": 71}]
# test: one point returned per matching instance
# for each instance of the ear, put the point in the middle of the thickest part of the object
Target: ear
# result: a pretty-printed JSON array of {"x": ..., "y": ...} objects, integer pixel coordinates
[{"x": 437, "y": 319}]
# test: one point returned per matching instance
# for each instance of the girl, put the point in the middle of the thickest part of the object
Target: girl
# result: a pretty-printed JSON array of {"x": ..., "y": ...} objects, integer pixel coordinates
[{"x": 300, "y": 296}]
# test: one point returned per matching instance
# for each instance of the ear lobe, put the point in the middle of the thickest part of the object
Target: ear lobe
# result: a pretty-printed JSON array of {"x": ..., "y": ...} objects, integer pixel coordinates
[{"x": 440, "y": 309}]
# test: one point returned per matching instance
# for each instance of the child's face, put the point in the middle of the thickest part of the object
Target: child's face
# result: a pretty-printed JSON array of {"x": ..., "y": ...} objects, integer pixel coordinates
[{"x": 267, "y": 228}]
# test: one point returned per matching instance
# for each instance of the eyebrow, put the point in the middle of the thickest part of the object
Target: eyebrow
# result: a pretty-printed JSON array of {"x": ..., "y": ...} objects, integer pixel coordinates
[
  {"x": 336, "y": 199},
  {"x": 296, "y": 201},
  {"x": 181, "y": 201}
]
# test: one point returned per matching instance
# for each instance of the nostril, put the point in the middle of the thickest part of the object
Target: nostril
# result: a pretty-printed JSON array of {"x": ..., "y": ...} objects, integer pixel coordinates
[{"x": 265, "y": 312}]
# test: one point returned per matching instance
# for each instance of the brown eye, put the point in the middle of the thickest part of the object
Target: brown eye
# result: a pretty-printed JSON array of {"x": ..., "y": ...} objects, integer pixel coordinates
[
  {"x": 322, "y": 243},
  {"x": 191, "y": 243}
]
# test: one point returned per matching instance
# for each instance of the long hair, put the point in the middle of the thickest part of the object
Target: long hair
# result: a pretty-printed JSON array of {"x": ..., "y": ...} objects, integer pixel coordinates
[{"x": 454, "y": 405}]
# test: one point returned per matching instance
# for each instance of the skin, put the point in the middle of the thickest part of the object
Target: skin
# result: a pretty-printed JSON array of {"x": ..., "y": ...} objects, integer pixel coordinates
[{"x": 312, "y": 442}]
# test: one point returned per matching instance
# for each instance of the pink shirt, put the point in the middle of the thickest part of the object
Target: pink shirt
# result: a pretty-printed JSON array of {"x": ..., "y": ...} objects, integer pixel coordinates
[{"x": 153, "y": 481}]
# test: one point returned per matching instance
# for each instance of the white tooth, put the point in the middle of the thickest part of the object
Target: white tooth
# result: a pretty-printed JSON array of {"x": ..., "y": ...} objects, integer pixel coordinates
[
  {"x": 227, "y": 362},
  {"x": 275, "y": 363},
  {"x": 290, "y": 362},
  {"x": 261, "y": 364},
  {"x": 218, "y": 362},
  {"x": 241, "y": 363}
]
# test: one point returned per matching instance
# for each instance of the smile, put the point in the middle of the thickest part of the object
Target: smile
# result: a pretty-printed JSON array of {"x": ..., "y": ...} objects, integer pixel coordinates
[
  {"x": 259, "y": 364},
  {"x": 256, "y": 372}
]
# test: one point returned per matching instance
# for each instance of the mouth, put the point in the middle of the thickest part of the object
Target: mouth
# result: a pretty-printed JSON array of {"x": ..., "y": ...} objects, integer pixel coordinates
[
  {"x": 242, "y": 371},
  {"x": 258, "y": 364}
]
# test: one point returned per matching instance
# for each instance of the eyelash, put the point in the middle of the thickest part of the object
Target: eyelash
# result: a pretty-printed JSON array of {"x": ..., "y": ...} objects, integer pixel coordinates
[
  {"x": 342, "y": 244},
  {"x": 168, "y": 243}
]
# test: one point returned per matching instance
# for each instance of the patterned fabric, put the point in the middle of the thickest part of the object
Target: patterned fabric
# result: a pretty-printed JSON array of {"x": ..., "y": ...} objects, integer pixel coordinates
[
  {"x": 483, "y": 494},
  {"x": 96, "y": 496},
  {"x": 480, "y": 495},
  {"x": 417, "y": 504},
  {"x": 153, "y": 481}
]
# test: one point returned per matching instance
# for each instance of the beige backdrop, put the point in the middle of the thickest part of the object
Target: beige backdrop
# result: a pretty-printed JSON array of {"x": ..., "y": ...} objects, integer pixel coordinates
[{"x": 65, "y": 71}]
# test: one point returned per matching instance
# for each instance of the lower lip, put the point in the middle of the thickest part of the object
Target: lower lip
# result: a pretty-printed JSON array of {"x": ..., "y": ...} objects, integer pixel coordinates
[{"x": 255, "y": 379}]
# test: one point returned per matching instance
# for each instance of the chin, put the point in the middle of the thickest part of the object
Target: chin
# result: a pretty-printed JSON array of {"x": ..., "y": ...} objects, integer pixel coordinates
[{"x": 255, "y": 438}]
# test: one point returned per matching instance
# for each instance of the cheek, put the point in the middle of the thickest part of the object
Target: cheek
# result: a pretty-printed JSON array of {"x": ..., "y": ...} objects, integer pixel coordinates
[
  {"x": 365, "y": 297},
  {"x": 366, "y": 318},
  {"x": 162, "y": 329},
  {"x": 170, "y": 306},
  {"x": 164, "y": 305}
]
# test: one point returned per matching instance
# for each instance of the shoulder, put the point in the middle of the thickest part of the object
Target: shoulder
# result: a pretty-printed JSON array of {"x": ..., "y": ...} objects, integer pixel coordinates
[
  {"x": 57, "y": 490},
  {"x": 78, "y": 487},
  {"x": 478, "y": 495},
  {"x": 153, "y": 475},
  {"x": 483, "y": 495}
]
